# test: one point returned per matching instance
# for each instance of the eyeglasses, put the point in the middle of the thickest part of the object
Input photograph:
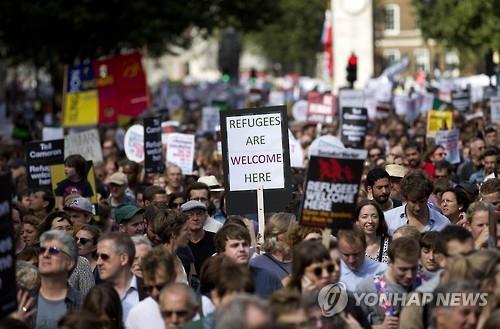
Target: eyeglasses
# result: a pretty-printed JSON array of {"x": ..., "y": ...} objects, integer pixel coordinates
[
  {"x": 318, "y": 270},
  {"x": 83, "y": 241},
  {"x": 178, "y": 313},
  {"x": 53, "y": 250},
  {"x": 104, "y": 257}
]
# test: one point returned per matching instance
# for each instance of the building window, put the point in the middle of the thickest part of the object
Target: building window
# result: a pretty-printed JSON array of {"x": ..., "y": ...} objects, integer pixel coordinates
[
  {"x": 391, "y": 19},
  {"x": 422, "y": 60},
  {"x": 391, "y": 57}
]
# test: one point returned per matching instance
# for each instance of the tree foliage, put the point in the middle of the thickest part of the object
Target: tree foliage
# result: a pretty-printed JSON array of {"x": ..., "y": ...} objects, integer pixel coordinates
[
  {"x": 465, "y": 25},
  {"x": 292, "y": 39},
  {"x": 44, "y": 31}
]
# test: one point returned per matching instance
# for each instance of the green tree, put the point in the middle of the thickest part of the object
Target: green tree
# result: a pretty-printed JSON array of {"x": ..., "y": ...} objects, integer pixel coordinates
[
  {"x": 469, "y": 26},
  {"x": 292, "y": 39}
]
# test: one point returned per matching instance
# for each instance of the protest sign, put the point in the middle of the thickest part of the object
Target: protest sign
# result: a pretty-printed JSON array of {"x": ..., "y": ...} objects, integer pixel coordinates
[
  {"x": 296, "y": 152},
  {"x": 461, "y": 99},
  {"x": 406, "y": 107},
  {"x": 168, "y": 127},
  {"x": 321, "y": 108},
  {"x": 424, "y": 102},
  {"x": 134, "y": 143},
  {"x": 299, "y": 110},
  {"x": 39, "y": 155},
  {"x": 180, "y": 151},
  {"x": 449, "y": 140},
  {"x": 51, "y": 133},
  {"x": 8, "y": 300},
  {"x": 256, "y": 154},
  {"x": 351, "y": 98},
  {"x": 495, "y": 109},
  {"x": 86, "y": 143},
  {"x": 331, "y": 189},
  {"x": 438, "y": 120},
  {"x": 325, "y": 145},
  {"x": 209, "y": 118},
  {"x": 353, "y": 128},
  {"x": 276, "y": 97},
  {"x": 152, "y": 146}
]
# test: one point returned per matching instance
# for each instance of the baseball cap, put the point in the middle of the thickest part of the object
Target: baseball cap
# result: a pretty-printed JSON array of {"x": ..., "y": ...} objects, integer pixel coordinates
[
  {"x": 212, "y": 182},
  {"x": 395, "y": 170},
  {"x": 193, "y": 204},
  {"x": 118, "y": 178},
  {"x": 125, "y": 213},
  {"x": 79, "y": 204}
]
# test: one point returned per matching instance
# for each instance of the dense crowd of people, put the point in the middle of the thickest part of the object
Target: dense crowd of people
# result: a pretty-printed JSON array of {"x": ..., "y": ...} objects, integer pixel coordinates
[{"x": 160, "y": 251}]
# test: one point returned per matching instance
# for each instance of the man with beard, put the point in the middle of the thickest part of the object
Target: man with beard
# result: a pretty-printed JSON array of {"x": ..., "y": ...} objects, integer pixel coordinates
[
  {"x": 399, "y": 279},
  {"x": 413, "y": 154},
  {"x": 378, "y": 186}
]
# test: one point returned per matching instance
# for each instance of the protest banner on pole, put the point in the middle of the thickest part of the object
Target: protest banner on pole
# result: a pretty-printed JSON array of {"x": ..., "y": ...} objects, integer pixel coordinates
[
  {"x": 8, "y": 300},
  {"x": 180, "y": 151},
  {"x": 86, "y": 143},
  {"x": 438, "y": 120},
  {"x": 331, "y": 189},
  {"x": 495, "y": 109},
  {"x": 134, "y": 143},
  {"x": 449, "y": 140},
  {"x": 321, "y": 108},
  {"x": 353, "y": 127},
  {"x": 152, "y": 146},
  {"x": 209, "y": 118},
  {"x": 40, "y": 155},
  {"x": 256, "y": 153}
]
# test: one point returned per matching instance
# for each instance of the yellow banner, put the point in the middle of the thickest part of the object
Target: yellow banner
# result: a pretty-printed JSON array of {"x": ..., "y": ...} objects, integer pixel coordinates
[
  {"x": 81, "y": 109},
  {"x": 438, "y": 120}
]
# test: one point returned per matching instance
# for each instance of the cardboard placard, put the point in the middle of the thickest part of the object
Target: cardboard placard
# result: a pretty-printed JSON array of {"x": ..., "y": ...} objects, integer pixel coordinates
[
  {"x": 8, "y": 300},
  {"x": 331, "y": 189},
  {"x": 180, "y": 151},
  {"x": 256, "y": 150},
  {"x": 40, "y": 155},
  {"x": 438, "y": 120},
  {"x": 152, "y": 146},
  {"x": 353, "y": 128},
  {"x": 449, "y": 140},
  {"x": 87, "y": 144}
]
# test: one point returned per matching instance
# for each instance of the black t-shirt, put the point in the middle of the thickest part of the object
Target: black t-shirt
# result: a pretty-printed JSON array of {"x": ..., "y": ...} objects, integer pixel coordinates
[
  {"x": 202, "y": 250},
  {"x": 67, "y": 187}
]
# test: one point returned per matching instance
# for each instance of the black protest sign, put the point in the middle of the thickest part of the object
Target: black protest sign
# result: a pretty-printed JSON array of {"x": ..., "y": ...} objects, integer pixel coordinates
[
  {"x": 461, "y": 99},
  {"x": 256, "y": 153},
  {"x": 39, "y": 156},
  {"x": 8, "y": 301},
  {"x": 354, "y": 121},
  {"x": 331, "y": 190},
  {"x": 152, "y": 146}
]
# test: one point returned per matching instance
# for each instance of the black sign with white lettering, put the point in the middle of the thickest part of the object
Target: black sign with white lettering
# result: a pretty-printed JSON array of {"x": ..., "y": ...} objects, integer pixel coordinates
[
  {"x": 461, "y": 99},
  {"x": 40, "y": 155},
  {"x": 354, "y": 121},
  {"x": 152, "y": 146},
  {"x": 256, "y": 154},
  {"x": 8, "y": 301}
]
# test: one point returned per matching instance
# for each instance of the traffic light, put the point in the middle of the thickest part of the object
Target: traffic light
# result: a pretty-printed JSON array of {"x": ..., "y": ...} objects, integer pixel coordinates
[{"x": 352, "y": 69}]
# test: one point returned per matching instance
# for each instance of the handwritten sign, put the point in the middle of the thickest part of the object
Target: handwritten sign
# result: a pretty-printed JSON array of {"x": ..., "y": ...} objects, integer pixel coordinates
[
  {"x": 86, "y": 143},
  {"x": 180, "y": 151}
]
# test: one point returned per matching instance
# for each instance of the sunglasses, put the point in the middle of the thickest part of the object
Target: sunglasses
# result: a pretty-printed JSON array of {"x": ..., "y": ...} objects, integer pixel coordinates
[
  {"x": 83, "y": 240},
  {"x": 53, "y": 250},
  {"x": 318, "y": 270},
  {"x": 178, "y": 313},
  {"x": 104, "y": 257}
]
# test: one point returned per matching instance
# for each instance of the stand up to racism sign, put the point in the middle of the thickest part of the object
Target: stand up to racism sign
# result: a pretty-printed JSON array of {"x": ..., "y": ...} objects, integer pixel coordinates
[
  {"x": 332, "y": 188},
  {"x": 256, "y": 153}
]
